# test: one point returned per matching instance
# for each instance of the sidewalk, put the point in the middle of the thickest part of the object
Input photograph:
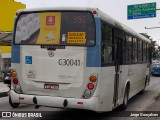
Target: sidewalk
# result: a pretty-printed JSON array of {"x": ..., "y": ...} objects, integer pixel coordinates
[
  {"x": 3, "y": 89},
  {"x": 153, "y": 108}
]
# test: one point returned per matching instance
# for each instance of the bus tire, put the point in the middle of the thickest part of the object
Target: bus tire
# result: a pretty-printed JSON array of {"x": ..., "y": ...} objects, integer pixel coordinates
[
  {"x": 14, "y": 105},
  {"x": 125, "y": 99}
]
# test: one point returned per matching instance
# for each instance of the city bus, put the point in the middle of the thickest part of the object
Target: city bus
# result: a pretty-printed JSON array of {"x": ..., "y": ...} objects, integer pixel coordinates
[
  {"x": 155, "y": 68},
  {"x": 76, "y": 58}
]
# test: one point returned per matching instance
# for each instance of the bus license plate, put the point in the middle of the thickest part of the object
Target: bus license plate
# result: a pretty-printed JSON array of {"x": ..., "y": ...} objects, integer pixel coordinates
[{"x": 51, "y": 86}]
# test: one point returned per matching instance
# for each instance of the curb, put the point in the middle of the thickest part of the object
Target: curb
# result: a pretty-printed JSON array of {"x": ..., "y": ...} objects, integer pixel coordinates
[{"x": 3, "y": 94}]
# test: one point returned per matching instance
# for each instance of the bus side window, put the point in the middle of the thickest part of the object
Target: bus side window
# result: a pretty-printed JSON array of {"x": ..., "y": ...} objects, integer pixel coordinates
[
  {"x": 134, "y": 50},
  {"x": 144, "y": 52},
  {"x": 128, "y": 49},
  {"x": 107, "y": 45},
  {"x": 148, "y": 53},
  {"x": 139, "y": 51}
]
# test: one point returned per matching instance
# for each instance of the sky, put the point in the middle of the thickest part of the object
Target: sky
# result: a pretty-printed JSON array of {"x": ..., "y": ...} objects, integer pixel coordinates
[{"x": 114, "y": 8}]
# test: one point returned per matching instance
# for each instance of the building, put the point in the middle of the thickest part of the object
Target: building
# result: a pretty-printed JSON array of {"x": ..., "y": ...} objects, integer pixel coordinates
[{"x": 8, "y": 10}]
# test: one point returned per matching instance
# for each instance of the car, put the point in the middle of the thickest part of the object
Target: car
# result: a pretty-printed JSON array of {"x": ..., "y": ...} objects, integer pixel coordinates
[
  {"x": 155, "y": 69},
  {"x": 6, "y": 77}
]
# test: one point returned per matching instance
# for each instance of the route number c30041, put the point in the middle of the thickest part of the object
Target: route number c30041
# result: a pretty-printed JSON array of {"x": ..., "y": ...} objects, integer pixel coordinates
[{"x": 69, "y": 62}]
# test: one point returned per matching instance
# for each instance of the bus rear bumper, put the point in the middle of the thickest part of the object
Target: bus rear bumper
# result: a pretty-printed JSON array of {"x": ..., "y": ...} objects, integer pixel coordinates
[{"x": 58, "y": 102}]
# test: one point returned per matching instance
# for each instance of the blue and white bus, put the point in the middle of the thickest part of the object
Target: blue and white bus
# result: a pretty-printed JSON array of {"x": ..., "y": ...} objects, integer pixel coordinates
[
  {"x": 76, "y": 58},
  {"x": 155, "y": 69}
]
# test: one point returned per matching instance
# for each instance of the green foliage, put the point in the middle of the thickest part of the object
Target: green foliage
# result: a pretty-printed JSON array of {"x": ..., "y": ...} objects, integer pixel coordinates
[{"x": 146, "y": 35}]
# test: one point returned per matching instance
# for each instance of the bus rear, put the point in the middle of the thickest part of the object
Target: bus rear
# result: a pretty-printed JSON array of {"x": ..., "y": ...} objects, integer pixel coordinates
[{"x": 50, "y": 58}]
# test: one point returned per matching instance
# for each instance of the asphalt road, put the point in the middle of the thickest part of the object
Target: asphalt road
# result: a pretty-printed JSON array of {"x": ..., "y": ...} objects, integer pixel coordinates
[{"x": 137, "y": 103}]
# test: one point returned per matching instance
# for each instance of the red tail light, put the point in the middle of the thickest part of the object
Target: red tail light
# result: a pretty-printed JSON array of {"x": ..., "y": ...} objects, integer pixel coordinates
[
  {"x": 90, "y": 86},
  {"x": 94, "y": 12},
  {"x": 15, "y": 81},
  {"x": 17, "y": 13}
]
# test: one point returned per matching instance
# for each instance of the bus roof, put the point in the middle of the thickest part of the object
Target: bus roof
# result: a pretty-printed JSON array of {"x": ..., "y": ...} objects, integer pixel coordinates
[{"x": 101, "y": 14}]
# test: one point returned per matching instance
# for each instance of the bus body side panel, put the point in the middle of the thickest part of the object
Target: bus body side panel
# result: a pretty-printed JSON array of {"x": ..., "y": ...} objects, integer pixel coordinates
[
  {"x": 107, "y": 88},
  {"x": 135, "y": 74}
]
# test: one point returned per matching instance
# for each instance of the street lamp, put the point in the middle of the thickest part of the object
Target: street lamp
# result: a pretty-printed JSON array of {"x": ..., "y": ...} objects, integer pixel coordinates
[{"x": 151, "y": 27}]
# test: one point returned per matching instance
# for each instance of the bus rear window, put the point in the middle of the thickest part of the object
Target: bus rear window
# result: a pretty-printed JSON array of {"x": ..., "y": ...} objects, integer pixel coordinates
[{"x": 55, "y": 28}]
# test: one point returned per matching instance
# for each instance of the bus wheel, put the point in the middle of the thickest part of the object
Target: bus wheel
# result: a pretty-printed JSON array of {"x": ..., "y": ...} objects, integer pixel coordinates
[
  {"x": 125, "y": 99},
  {"x": 14, "y": 105}
]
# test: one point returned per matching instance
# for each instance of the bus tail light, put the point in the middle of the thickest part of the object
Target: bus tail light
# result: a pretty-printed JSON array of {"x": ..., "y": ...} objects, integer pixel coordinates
[
  {"x": 17, "y": 87},
  {"x": 15, "y": 81},
  {"x": 87, "y": 94},
  {"x": 93, "y": 78},
  {"x": 13, "y": 73},
  {"x": 91, "y": 86}
]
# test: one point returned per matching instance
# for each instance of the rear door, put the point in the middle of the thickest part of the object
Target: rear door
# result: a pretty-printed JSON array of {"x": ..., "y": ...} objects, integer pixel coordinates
[
  {"x": 118, "y": 65},
  {"x": 118, "y": 70}
]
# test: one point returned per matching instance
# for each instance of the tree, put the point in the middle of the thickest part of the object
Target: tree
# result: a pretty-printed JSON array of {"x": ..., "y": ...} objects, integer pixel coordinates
[{"x": 146, "y": 35}]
